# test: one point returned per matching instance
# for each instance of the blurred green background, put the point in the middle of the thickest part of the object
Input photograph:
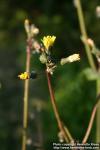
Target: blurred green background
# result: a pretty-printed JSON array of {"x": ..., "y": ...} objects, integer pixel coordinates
[{"x": 75, "y": 95}]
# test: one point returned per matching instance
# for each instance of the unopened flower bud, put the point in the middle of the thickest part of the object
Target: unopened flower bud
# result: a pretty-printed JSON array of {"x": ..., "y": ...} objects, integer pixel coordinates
[
  {"x": 34, "y": 30},
  {"x": 90, "y": 42},
  {"x": 75, "y": 3},
  {"x": 71, "y": 58},
  {"x": 98, "y": 11},
  {"x": 61, "y": 137},
  {"x": 27, "y": 26},
  {"x": 36, "y": 45},
  {"x": 29, "y": 141},
  {"x": 43, "y": 58}
]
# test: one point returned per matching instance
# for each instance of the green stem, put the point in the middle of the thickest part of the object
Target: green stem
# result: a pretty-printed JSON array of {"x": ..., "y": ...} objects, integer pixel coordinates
[
  {"x": 84, "y": 34},
  {"x": 26, "y": 93},
  {"x": 98, "y": 114},
  {"x": 90, "y": 59}
]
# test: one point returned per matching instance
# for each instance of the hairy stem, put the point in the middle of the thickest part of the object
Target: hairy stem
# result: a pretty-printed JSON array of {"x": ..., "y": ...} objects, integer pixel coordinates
[
  {"x": 84, "y": 34},
  {"x": 60, "y": 124},
  {"x": 26, "y": 92}
]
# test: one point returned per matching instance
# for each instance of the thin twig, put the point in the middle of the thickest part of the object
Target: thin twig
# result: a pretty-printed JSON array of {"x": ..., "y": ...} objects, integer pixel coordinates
[
  {"x": 90, "y": 123},
  {"x": 68, "y": 134},
  {"x": 60, "y": 124},
  {"x": 84, "y": 34},
  {"x": 98, "y": 111},
  {"x": 26, "y": 92}
]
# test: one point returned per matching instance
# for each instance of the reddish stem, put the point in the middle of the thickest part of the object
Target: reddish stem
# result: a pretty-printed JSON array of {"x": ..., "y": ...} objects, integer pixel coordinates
[
  {"x": 53, "y": 101},
  {"x": 90, "y": 123}
]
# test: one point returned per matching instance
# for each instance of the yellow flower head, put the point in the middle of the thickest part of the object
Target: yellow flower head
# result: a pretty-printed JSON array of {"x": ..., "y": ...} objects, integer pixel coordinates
[
  {"x": 24, "y": 76},
  {"x": 48, "y": 41}
]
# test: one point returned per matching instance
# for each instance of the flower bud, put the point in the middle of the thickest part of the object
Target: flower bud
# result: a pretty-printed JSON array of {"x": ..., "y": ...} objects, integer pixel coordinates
[{"x": 71, "y": 58}]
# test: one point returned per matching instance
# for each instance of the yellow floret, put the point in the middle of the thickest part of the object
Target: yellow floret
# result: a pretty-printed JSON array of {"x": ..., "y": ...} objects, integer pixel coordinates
[
  {"x": 24, "y": 76},
  {"x": 48, "y": 41}
]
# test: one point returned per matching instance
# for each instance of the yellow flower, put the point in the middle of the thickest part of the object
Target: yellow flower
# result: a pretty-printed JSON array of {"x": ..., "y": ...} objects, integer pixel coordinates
[
  {"x": 48, "y": 41},
  {"x": 71, "y": 58},
  {"x": 24, "y": 76}
]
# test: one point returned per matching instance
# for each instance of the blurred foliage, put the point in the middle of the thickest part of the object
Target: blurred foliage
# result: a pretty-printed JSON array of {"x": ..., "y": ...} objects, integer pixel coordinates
[{"x": 75, "y": 95}]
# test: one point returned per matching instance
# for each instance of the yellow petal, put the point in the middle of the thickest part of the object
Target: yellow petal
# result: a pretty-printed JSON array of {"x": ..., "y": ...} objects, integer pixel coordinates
[
  {"x": 24, "y": 76},
  {"x": 48, "y": 41}
]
